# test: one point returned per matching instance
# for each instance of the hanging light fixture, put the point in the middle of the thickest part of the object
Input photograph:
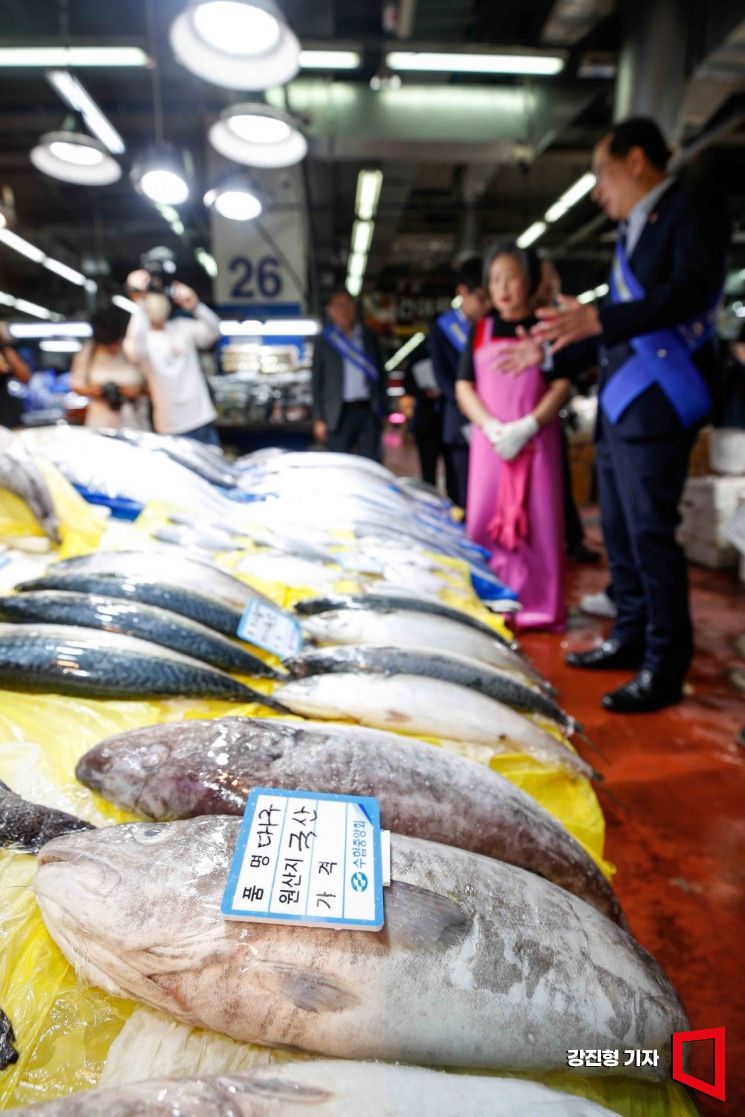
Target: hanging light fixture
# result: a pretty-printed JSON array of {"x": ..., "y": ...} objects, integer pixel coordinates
[
  {"x": 71, "y": 156},
  {"x": 234, "y": 198},
  {"x": 258, "y": 136},
  {"x": 160, "y": 174},
  {"x": 238, "y": 44}
]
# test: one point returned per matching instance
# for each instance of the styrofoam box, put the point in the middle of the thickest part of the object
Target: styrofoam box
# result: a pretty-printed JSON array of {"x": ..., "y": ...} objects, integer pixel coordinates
[
  {"x": 727, "y": 451},
  {"x": 711, "y": 494},
  {"x": 712, "y": 555}
]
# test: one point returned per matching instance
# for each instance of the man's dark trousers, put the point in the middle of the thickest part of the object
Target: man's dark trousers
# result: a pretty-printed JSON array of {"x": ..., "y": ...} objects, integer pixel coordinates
[
  {"x": 359, "y": 429},
  {"x": 641, "y": 482}
]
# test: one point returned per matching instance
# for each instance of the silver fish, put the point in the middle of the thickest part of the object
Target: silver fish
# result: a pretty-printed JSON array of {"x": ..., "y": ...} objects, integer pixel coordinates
[
  {"x": 65, "y": 659},
  {"x": 479, "y": 965},
  {"x": 411, "y": 703},
  {"x": 185, "y": 769},
  {"x": 326, "y": 1088},
  {"x": 20, "y": 475},
  {"x": 207, "y": 462},
  {"x": 131, "y": 618},
  {"x": 397, "y": 628},
  {"x": 491, "y": 681},
  {"x": 27, "y": 826},
  {"x": 386, "y": 603},
  {"x": 147, "y": 590}
]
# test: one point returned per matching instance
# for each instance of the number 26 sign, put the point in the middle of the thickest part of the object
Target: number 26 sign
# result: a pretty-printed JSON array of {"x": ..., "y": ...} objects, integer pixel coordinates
[{"x": 260, "y": 277}]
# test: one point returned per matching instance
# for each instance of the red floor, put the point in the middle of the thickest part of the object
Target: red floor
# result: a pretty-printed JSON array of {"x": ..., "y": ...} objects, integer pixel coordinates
[{"x": 674, "y": 800}]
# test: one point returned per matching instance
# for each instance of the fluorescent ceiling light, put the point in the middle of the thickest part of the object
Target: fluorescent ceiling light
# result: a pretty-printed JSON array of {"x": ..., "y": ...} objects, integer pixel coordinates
[
  {"x": 362, "y": 235},
  {"x": 595, "y": 293},
  {"x": 356, "y": 265},
  {"x": 76, "y": 158},
  {"x": 602, "y": 291},
  {"x": 531, "y": 234},
  {"x": 258, "y": 136},
  {"x": 465, "y": 63},
  {"x": 237, "y": 204},
  {"x": 570, "y": 197},
  {"x": 61, "y": 345},
  {"x": 354, "y": 285},
  {"x": 34, "y": 308},
  {"x": 369, "y": 184},
  {"x": 271, "y": 327},
  {"x": 401, "y": 354},
  {"x": 48, "y": 329},
  {"x": 73, "y": 56},
  {"x": 18, "y": 244},
  {"x": 70, "y": 274},
  {"x": 74, "y": 94},
  {"x": 238, "y": 44},
  {"x": 124, "y": 303},
  {"x": 330, "y": 59},
  {"x": 207, "y": 261}
]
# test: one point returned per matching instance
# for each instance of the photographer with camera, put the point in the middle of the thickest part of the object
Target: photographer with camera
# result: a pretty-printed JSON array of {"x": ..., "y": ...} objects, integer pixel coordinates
[
  {"x": 166, "y": 350},
  {"x": 115, "y": 388}
]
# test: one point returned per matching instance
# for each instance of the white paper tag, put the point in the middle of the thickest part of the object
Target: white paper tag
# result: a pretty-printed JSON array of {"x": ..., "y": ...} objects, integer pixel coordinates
[
  {"x": 270, "y": 628},
  {"x": 360, "y": 564},
  {"x": 308, "y": 858}
]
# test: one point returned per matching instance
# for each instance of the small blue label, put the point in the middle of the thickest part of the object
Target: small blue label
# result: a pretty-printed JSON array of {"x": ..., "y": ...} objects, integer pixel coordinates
[{"x": 268, "y": 627}]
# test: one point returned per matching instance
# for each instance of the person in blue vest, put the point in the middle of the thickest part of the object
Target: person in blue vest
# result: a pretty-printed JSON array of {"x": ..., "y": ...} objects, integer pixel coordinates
[
  {"x": 447, "y": 340},
  {"x": 349, "y": 382},
  {"x": 658, "y": 366}
]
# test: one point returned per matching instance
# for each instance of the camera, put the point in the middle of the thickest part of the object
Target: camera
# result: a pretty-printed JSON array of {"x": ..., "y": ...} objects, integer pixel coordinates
[
  {"x": 160, "y": 265},
  {"x": 112, "y": 395}
]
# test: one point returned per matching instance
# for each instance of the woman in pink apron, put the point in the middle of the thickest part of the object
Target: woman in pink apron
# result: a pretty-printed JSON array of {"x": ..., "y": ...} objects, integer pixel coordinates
[{"x": 515, "y": 487}]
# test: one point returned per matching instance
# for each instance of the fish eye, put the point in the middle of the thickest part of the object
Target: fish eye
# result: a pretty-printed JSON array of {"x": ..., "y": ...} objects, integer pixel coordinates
[{"x": 150, "y": 834}]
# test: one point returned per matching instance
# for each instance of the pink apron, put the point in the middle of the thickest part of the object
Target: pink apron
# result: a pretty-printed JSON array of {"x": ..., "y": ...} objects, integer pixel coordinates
[{"x": 516, "y": 509}]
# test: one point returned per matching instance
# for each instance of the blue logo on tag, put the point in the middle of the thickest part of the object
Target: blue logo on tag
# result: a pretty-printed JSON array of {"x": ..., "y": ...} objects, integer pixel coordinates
[{"x": 359, "y": 882}]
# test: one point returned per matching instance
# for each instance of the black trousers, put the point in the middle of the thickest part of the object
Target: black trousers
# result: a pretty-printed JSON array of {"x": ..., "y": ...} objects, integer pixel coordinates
[
  {"x": 456, "y": 472},
  {"x": 574, "y": 532},
  {"x": 359, "y": 429},
  {"x": 641, "y": 482}
]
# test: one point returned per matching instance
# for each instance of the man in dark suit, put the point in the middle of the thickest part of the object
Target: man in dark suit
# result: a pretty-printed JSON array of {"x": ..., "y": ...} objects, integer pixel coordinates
[
  {"x": 658, "y": 363},
  {"x": 447, "y": 340},
  {"x": 349, "y": 382}
]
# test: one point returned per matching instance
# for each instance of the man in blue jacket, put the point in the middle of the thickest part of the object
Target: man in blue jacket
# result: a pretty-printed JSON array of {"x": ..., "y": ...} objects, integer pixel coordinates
[
  {"x": 658, "y": 363},
  {"x": 447, "y": 340}
]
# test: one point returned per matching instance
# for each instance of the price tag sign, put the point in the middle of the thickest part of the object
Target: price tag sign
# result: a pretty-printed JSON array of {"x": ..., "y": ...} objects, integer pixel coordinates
[
  {"x": 308, "y": 858},
  {"x": 351, "y": 560},
  {"x": 270, "y": 628}
]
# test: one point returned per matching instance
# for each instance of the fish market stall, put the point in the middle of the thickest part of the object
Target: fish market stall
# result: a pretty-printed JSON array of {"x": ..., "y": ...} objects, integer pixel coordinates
[{"x": 312, "y": 625}]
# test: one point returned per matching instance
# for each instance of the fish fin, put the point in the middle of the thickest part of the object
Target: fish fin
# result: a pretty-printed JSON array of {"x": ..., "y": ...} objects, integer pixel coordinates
[
  {"x": 308, "y": 989},
  {"x": 416, "y": 919},
  {"x": 277, "y": 1089}
]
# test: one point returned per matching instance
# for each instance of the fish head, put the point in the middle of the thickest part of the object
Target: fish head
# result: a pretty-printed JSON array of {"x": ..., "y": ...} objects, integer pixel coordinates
[
  {"x": 122, "y": 767},
  {"x": 128, "y": 903}
]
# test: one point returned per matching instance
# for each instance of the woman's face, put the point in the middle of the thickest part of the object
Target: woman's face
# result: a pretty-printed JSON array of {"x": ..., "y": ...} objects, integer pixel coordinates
[{"x": 508, "y": 288}]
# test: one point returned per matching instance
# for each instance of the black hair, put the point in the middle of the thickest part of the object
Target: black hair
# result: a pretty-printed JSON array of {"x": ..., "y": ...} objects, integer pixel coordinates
[
  {"x": 340, "y": 290},
  {"x": 526, "y": 257},
  {"x": 643, "y": 132},
  {"x": 470, "y": 274},
  {"x": 109, "y": 325}
]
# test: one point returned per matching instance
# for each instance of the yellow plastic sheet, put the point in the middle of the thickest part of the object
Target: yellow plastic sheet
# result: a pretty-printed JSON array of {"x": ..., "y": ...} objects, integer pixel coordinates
[{"x": 81, "y": 524}]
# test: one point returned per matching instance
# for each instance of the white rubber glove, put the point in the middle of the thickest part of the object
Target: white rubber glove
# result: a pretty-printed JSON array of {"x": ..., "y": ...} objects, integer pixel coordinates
[
  {"x": 514, "y": 436},
  {"x": 492, "y": 429}
]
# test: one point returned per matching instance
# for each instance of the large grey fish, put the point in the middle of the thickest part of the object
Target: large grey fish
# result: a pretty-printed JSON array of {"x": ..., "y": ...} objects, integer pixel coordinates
[
  {"x": 205, "y": 461},
  {"x": 479, "y": 964},
  {"x": 449, "y": 667},
  {"x": 19, "y": 474},
  {"x": 326, "y": 1088},
  {"x": 27, "y": 826},
  {"x": 407, "y": 702},
  {"x": 150, "y": 591},
  {"x": 185, "y": 769},
  {"x": 8, "y": 1053},
  {"x": 131, "y": 618},
  {"x": 385, "y": 603},
  {"x": 65, "y": 659},
  {"x": 191, "y": 572},
  {"x": 405, "y": 629}
]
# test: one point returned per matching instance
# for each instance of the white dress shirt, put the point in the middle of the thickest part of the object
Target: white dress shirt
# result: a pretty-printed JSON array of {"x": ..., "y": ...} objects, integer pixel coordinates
[{"x": 639, "y": 215}]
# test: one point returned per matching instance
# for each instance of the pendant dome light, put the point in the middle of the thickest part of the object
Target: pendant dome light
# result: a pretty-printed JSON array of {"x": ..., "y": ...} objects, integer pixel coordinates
[
  {"x": 258, "y": 136},
  {"x": 238, "y": 44},
  {"x": 73, "y": 157},
  {"x": 234, "y": 198}
]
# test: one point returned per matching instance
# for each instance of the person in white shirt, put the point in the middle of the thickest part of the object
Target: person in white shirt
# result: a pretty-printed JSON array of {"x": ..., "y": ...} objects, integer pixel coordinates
[{"x": 167, "y": 351}]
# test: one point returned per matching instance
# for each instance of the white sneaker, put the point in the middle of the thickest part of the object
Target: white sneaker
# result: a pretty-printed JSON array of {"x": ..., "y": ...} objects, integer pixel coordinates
[{"x": 598, "y": 605}]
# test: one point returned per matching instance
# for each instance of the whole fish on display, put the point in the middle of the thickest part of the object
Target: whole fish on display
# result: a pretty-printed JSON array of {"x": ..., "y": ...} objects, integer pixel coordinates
[
  {"x": 8, "y": 1053},
  {"x": 206, "y": 461},
  {"x": 149, "y": 591},
  {"x": 323, "y": 1088},
  {"x": 65, "y": 659},
  {"x": 27, "y": 826},
  {"x": 429, "y": 707},
  {"x": 387, "y": 603},
  {"x": 19, "y": 474},
  {"x": 447, "y": 666},
  {"x": 186, "y": 769},
  {"x": 405, "y": 629},
  {"x": 131, "y": 618},
  {"x": 479, "y": 964}
]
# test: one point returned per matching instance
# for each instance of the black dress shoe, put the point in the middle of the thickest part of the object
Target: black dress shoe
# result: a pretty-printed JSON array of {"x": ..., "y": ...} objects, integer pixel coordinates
[
  {"x": 581, "y": 553},
  {"x": 611, "y": 655},
  {"x": 646, "y": 692}
]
